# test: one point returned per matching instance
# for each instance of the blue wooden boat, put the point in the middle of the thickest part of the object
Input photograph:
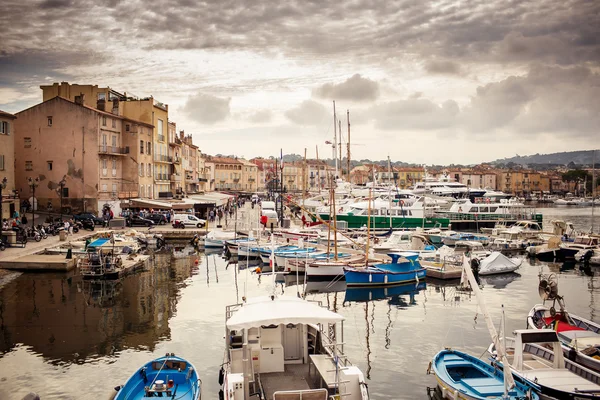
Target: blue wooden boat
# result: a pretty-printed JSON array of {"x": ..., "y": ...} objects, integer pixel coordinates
[
  {"x": 461, "y": 376},
  {"x": 364, "y": 294},
  {"x": 169, "y": 377},
  {"x": 374, "y": 276}
]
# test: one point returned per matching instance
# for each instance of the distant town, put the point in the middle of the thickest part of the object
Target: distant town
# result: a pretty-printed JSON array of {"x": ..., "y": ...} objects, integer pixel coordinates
[{"x": 84, "y": 147}]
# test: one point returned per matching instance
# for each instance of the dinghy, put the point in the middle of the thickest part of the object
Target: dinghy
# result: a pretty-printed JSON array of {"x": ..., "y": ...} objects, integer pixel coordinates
[
  {"x": 169, "y": 377},
  {"x": 498, "y": 263}
]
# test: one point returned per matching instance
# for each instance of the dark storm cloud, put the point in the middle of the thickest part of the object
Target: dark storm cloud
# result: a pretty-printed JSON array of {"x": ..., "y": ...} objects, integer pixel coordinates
[
  {"x": 355, "y": 88},
  {"x": 309, "y": 112},
  {"x": 206, "y": 108},
  {"x": 366, "y": 31}
]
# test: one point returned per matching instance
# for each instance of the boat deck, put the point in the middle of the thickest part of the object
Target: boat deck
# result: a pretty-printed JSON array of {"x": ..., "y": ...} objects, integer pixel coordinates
[{"x": 295, "y": 377}]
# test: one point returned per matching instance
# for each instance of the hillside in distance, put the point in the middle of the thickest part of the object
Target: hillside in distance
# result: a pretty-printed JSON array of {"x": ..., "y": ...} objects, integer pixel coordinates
[{"x": 583, "y": 157}]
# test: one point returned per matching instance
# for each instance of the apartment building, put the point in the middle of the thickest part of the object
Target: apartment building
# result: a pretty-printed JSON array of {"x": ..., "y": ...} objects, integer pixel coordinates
[
  {"x": 205, "y": 178},
  {"x": 83, "y": 157},
  {"x": 249, "y": 176},
  {"x": 9, "y": 198},
  {"x": 227, "y": 172},
  {"x": 479, "y": 179},
  {"x": 519, "y": 182},
  {"x": 145, "y": 110}
]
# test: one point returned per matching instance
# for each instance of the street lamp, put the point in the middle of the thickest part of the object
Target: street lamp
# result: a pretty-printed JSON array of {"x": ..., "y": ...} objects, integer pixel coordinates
[
  {"x": 33, "y": 183},
  {"x": 3, "y": 183},
  {"x": 60, "y": 190}
]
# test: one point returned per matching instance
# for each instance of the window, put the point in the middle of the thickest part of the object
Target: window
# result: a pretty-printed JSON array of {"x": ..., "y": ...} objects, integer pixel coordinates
[
  {"x": 27, "y": 142},
  {"x": 127, "y": 128},
  {"x": 148, "y": 148},
  {"x": 104, "y": 187},
  {"x": 114, "y": 188},
  {"x": 141, "y": 190},
  {"x": 4, "y": 127},
  {"x": 149, "y": 170},
  {"x": 149, "y": 191},
  {"x": 114, "y": 167},
  {"x": 102, "y": 96},
  {"x": 104, "y": 120},
  {"x": 114, "y": 122},
  {"x": 49, "y": 121},
  {"x": 104, "y": 167},
  {"x": 49, "y": 165},
  {"x": 65, "y": 192},
  {"x": 114, "y": 141},
  {"x": 141, "y": 147},
  {"x": 141, "y": 168},
  {"x": 28, "y": 165},
  {"x": 1, "y": 162}
]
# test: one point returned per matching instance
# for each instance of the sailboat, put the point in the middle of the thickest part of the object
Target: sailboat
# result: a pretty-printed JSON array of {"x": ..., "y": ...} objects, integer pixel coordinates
[{"x": 462, "y": 376}]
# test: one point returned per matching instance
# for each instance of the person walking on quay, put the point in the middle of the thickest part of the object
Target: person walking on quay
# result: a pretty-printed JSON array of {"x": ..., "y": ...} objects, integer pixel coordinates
[
  {"x": 67, "y": 227},
  {"x": 220, "y": 215}
]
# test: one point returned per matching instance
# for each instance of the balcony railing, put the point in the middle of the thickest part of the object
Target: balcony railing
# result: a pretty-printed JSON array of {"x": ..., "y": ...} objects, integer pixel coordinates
[
  {"x": 162, "y": 177},
  {"x": 161, "y": 138},
  {"x": 163, "y": 158},
  {"x": 106, "y": 149},
  {"x": 175, "y": 177},
  {"x": 177, "y": 160}
]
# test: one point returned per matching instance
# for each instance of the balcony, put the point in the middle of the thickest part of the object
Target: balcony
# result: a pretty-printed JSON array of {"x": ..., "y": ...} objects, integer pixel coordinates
[
  {"x": 236, "y": 180},
  {"x": 251, "y": 179},
  {"x": 161, "y": 138},
  {"x": 106, "y": 149},
  {"x": 163, "y": 158},
  {"x": 177, "y": 160},
  {"x": 175, "y": 178},
  {"x": 161, "y": 177}
]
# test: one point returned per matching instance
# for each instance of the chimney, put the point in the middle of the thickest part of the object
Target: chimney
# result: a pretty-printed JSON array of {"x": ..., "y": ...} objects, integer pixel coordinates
[
  {"x": 101, "y": 105},
  {"x": 80, "y": 100},
  {"x": 181, "y": 134},
  {"x": 115, "y": 106}
]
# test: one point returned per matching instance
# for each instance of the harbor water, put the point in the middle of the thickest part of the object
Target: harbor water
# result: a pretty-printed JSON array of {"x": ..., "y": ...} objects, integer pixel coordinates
[{"x": 66, "y": 338}]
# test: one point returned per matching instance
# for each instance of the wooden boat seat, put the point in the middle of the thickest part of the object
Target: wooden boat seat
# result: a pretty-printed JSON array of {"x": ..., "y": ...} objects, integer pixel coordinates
[
  {"x": 486, "y": 387},
  {"x": 316, "y": 394}
]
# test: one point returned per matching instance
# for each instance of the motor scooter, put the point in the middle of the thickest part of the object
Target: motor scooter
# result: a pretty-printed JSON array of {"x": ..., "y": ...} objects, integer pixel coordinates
[{"x": 178, "y": 224}]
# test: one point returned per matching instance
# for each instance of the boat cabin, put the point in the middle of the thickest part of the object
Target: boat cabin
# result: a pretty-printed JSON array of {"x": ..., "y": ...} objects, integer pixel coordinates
[{"x": 285, "y": 349}]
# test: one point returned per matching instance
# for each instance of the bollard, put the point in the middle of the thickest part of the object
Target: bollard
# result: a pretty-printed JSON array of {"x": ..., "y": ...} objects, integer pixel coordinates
[{"x": 69, "y": 254}]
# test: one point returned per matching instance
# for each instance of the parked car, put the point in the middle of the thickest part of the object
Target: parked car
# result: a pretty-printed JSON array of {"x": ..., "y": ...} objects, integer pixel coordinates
[
  {"x": 189, "y": 220},
  {"x": 136, "y": 220},
  {"x": 157, "y": 218},
  {"x": 81, "y": 216}
]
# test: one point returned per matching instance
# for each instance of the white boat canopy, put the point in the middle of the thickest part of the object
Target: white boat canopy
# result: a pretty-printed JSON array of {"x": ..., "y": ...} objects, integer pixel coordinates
[{"x": 282, "y": 310}]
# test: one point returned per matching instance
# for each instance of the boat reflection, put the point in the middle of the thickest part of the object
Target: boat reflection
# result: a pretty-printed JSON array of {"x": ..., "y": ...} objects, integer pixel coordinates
[
  {"x": 313, "y": 287},
  {"x": 392, "y": 292},
  {"x": 68, "y": 320},
  {"x": 499, "y": 281}
]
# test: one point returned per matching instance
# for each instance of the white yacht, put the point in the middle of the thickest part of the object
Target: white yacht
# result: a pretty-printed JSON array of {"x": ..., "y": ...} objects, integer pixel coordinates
[
  {"x": 446, "y": 187},
  {"x": 285, "y": 348}
]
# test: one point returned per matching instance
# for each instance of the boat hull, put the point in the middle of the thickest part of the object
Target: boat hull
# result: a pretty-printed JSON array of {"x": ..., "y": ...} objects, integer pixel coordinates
[
  {"x": 186, "y": 385},
  {"x": 378, "y": 277},
  {"x": 383, "y": 222}
]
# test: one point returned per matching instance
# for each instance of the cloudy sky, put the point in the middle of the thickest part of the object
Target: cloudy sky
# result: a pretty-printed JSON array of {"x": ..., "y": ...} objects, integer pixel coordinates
[{"x": 425, "y": 82}]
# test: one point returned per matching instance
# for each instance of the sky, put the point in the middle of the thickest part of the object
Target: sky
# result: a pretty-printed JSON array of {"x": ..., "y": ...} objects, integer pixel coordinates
[{"x": 427, "y": 82}]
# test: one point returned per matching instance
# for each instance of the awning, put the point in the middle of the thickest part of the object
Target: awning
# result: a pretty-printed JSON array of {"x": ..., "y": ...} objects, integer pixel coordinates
[
  {"x": 282, "y": 310},
  {"x": 216, "y": 198},
  {"x": 144, "y": 203}
]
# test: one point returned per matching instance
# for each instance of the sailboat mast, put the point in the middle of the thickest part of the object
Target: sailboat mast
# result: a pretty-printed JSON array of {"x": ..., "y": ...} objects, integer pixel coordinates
[
  {"x": 318, "y": 170},
  {"x": 368, "y": 229},
  {"x": 304, "y": 180},
  {"x": 340, "y": 146},
  {"x": 593, "y": 185},
  {"x": 389, "y": 191},
  {"x": 335, "y": 140},
  {"x": 348, "y": 150},
  {"x": 335, "y": 248}
]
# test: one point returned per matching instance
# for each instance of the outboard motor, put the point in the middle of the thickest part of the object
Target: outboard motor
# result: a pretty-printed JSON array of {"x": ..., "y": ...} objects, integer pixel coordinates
[{"x": 475, "y": 268}]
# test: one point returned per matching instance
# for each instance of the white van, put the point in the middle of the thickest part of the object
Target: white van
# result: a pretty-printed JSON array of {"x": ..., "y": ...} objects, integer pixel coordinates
[
  {"x": 272, "y": 217},
  {"x": 268, "y": 205},
  {"x": 189, "y": 220}
]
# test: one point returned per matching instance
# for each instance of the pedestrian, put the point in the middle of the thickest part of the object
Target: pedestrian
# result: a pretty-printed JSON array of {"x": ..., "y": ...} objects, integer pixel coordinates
[
  {"x": 24, "y": 220},
  {"x": 67, "y": 227},
  {"x": 303, "y": 220},
  {"x": 71, "y": 223},
  {"x": 220, "y": 215}
]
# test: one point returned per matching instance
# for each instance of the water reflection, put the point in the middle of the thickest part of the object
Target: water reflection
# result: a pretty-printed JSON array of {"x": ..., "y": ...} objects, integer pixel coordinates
[{"x": 67, "y": 320}]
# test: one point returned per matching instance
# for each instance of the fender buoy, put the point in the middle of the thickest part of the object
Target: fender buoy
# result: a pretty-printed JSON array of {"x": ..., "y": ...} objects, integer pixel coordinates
[{"x": 401, "y": 202}]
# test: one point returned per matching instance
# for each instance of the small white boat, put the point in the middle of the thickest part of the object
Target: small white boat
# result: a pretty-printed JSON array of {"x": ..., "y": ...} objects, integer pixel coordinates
[
  {"x": 498, "y": 263},
  {"x": 217, "y": 238},
  {"x": 398, "y": 240}
]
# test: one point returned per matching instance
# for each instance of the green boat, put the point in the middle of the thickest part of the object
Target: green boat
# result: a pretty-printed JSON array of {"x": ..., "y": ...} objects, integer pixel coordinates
[{"x": 386, "y": 215}]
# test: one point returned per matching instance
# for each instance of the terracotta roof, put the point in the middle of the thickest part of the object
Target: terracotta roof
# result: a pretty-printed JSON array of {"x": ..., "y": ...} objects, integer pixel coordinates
[
  {"x": 7, "y": 115},
  {"x": 223, "y": 160}
]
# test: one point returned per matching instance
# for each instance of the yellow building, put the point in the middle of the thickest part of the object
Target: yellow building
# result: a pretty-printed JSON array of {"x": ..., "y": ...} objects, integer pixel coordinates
[
  {"x": 519, "y": 182},
  {"x": 8, "y": 198},
  {"x": 408, "y": 176},
  {"x": 249, "y": 176},
  {"x": 227, "y": 172}
]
